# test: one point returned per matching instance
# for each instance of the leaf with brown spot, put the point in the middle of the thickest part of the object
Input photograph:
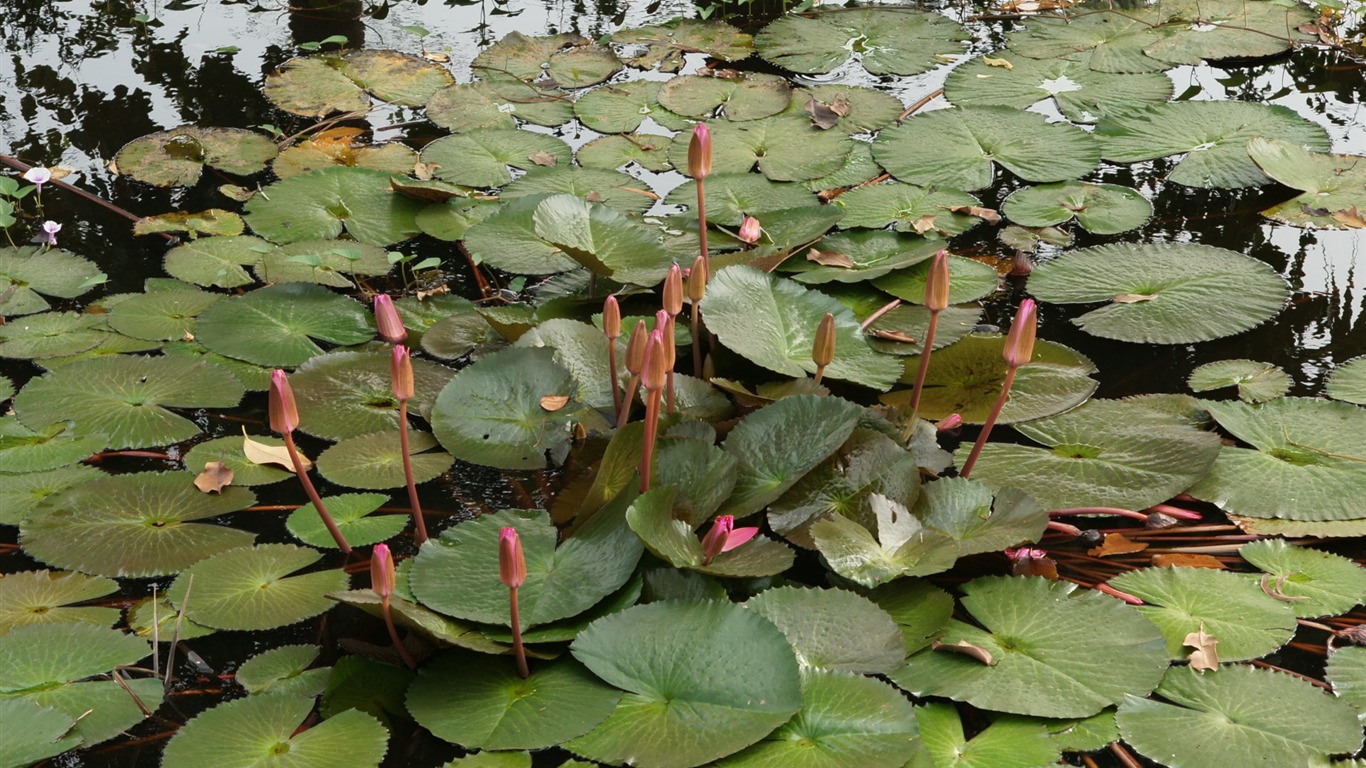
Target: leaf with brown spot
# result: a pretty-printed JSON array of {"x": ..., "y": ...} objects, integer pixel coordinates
[
  {"x": 554, "y": 402},
  {"x": 988, "y": 215},
  {"x": 215, "y": 477},
  {"x": 990, "y": 62},
  {"x": 260, "y": 453},
  {"x": 1132, "y": 298},
  {"x": 1116, "y": 544},
  {"x": 967, "y": 649},
  {"x": 1181, "y": 560},
  {"x": 1206, "y": 653},
  {"x": 543, "y": 158},
  {"x": 1349, "y": 218},
  {"x": 829, "y": 258}
]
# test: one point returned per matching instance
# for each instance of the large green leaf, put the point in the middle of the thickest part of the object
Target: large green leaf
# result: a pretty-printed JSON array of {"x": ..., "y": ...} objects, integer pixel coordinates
[
  {"x": 1228, "y": 29},
  {"x": 161, "y": 315},
  {"x": 1346, "y": 671},
  {"x": 278, "y": 325},
  {"x": 47, "y": 597},
  {"x": 1256, "y": 382},
  {"x": 250, "y": 588},
  {"x": 50, "y": 335},
  {"x": 1334, "y": 186},
  {"x": 665, "y": 43},
  {"x": 674, "y": 541},
  {"x": 1237, "y": 716},
  {"x": 1006, "y": 743},
  {"x": 1083, "y": 95},
  {"x": 730, "y": 197},
  {"x": 27, "y": 272},
  {"x": 621, "y": 107},
  {"x": 1348, "y": 382},
  {"x": 29, "y": 450},
  {"x": 284, "y": 670},
  {"x": 231, "y": 451},
  {"x": 887, "y": 41},
  {"x": 325, "y": 262},
  {"x": 508, "y": 241},
  {"x": 497, "y": 102},
  {"x": 395, "y": 77},
  {"x": 740, "y": 97},
  {"x": 908, "y": 208},
  {"x": 567, "y": 60},
  {"x": 1167, "y": 293},
  {"x": 969, "y": 280},
  {"x": 956, "y": 148},
  {"x": 34, "y": 732},
  {"x": 177, "y": 157},
  {"x": 1305, "y": 463},
  {"x": 263, "y": 732},
  {"x": 615, "y": 189},
  {"x": 601, "y": 238},
  {"x": 920, "y": 609},
  {"x": 703, "y": 680},
  {"x": 833, "y": 630},
  {"x": 1104, "y": 209},
  {"x": 870, "y": 255},
  {"x": 1053, "y": 653},
  {"x": 773, "y": 322},
  {"x": 344, "y": 394},
  {"x": 786, "y": 148},
  {"x": 1318, "y": 583},
  {"x": 351, "y": 513},
  {"x": 323, "y": 204},
  {"x": 482, "y": 158},
  {"x": 1214, "y": 134},
  {"x": 968, "y": 512},
  {"x": 902, "y": 547},
  {"x": 375, "y": 461},
  {"x": 1104, "y": 40},
  {"x": 21, "y": 494}
]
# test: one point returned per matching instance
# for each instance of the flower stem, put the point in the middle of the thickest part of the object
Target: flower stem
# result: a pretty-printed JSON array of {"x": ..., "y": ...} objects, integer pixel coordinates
[
  {"x": 393, "y": 635},
  {"x": 991, "y": 422},
  {"x": 696, "y": 341},
  {"x": 647, "y": 453},
  {"x": 517, "y": 647},
  {"x": 415, "y": 505},
  {"x": 924, "y": 365},
  {"x": 313, "y": 494},
  {"x": 625, "y": 414},
  {"x": 702, "y": 225},
  {"x": 612, "y": 366}
]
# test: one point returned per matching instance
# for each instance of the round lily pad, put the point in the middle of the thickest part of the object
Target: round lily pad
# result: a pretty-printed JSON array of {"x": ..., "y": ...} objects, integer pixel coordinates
[
  {"x": 786, "y": 148},
  {"x": 126, "y": 398},
  {"x": 1083, "y": 95},
  {"x": 832, "y": 629},
  {"x": 887, "y": 41},
  {"x": 375, "y": 461},
  {"x": 27, "y": 272},
  {"x": 395, "y": 77},
  {"x": 855, "y": 256},
  {"x": 909, "y": 325},
  {"x": 1318, "y": 583},
  {"x": 1054, "y": 652},
  {"x": 261, "y": 729},
  {"x": 343, "y": 148},
  {"x": 325, "y": 262},
  {"x": 216, "y": 261},
  {"x": 29, "y": 450},
  {"x": 343, "y": 394},
  {"x": 730, "y": 197},
  {"x": 482, "y": 158},
  {"x": 969, "y": 280},
  {"x": 746, "y": 97},
  {"x": 1017, "y": 741},
  {"x": 139, "y": 524},
  {"x": 507, "y": 240},
  {"x": 161, "y": 315},
  {"x": 250, "y": 588},
  {"x": 621, "y": 107},
  {"x": 956, "y": 148},
  {"x": 48, "y": 335},
  {"x": 277, "y": 325},
  {"x": 1256, "y": 382},
  {"x": 497, "y": 103},
  {"x": 689, "y": 669},
  {"x": 649, "y": 151},
  {"x": 314, "y": 86},
  {"x": 147, "y": 614},
  {"x": 1104, "y": 209},
  {"x": 665, "y": 43},
  {"x": 858, "y": 167},
  {"x": 177, "y": 157},
  {"x": 48, "y": 597},
  {"x": 1334, "y": 186},
  {"x": 229, "y": 451},
  {"x": 483, "y": 704},
  {"x": 675, "y": 542},
  {"x": 1346, "y": 671},
  {"x": 21, "y": 494},
  {"x": 1104, "y": 40},
  {"x": 323, "y": 204},
  {"x": 908, "y": 208},
  {"x": 254, "y": 378},
  {"x": 978, "y": 520},
  {"x": 1228, "y": 29},
  {"x": 847, "y": 108},
  {"x": 351, "y": 513},
  {"x": 1348, "y": 382},
  {"x": 566, "y": 60},
  {"x": 1166, "y": 293},
  {"x": 36, "y": 732},
  {"x": 450, "y": 219},
  {"x": 284, "y": 670},
  {"x": 594, "y": 185}
]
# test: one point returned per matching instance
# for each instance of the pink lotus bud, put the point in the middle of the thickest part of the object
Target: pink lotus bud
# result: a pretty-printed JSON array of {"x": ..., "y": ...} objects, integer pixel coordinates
[
  {"x": 654, "y": 375},
  {"x": 749, "y": 230},
  {"x": 284, "y": 414},
  {"x": 950, "y": 423},
  {"x": 611, "y": 318},
  {"x": 382, "y": 571},
  {"x": 511, "y": 561},
  {"x": 697, "y": 280},
  {"x": 937, "y": 283},
  {"x": 387, "y": 321},
  {"x": 1020, "y": 340},
  {"x": 673, "y": 290},
  {"x": 724, "y": 536},
  {"x": 635, "y": 349},
  {"x": 699, "y": 152},
  {"x": 401, "y": 374}
]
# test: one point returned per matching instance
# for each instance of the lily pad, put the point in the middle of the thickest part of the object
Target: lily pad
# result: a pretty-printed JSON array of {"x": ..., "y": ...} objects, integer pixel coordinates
[
  {"x": 250, "y": 588},
  {"x": 833, "y": 630},
  {"x": 483, "y": 704},
  {"x": 601, "y": 238},
  {"x": 36, "y": 732},
  {"x": 869, "y": 255},
  {"x": 284, "y": 670},
  {"x": 848, "y": 108},
  {"x": 920, "y": 609},
  {"x": 731, "y": 197},
  {"x": 497, "y": 103},
  {"x": 126, "y": 398},
  {"x": 566, "y": 60},
  {"x": 351, "y": 513},
  {"x": 48, "y": 597},
  {"x": 858, "y": 168},
  {"x": 177, "y": 157},
  {"x": 325, "y": 262},
  {"x": 1104, "y": 40},
  {"x": 321, "y": 205},
  {"x": 902, "y": 547},
  {"x": 216, "y": 261},
  {"x": 1238, "y": 716},
  {"x": 263, "y": 730},
  {"x": 161, "y": 315},
  {"x": 908, "y": 208},
  {"x": 1346, "y": 671},
  {"x": 507, "y": 240},
  {"x": 49, "y": 335},
  {"x": 976, "y": 520},
  {"x": 394, "y": 77},
  {"x": 1347, "y": 382},
  {"x": 666, "y": 43},
  {"x": 1334, "y": 186},
  {"x": 703, "y": 680},
  {"x": 1227, "y": 29},
  {"x": 750, "y": 96},
  {"x": 1305, "y": 463},
  {"x": 277, "y": 325},
  {"x": 1167, "y": 293},
  {"x": 21, "y": 494},
  {"x": 375, "y": 461},
  {"x": 1256, "y": 382},
  {"x": 1007, "y": 743},
  {"x": 32, "y": 270},
  {"x": 1053, "y": 653},
  {"x": 786, "y": 148},
  {"x": 1318, "y": 583},
  {"x": 1214, "y": 134},
  {"x": 886, "y": 41},
  {"x": 344, "y": 146},
  {"x": 1247, "y": 622},
  {"x": 482, "y": 158},
  {"x": 956, "y": 148},
  {"x": 449, "y": 220},
  {"x": 675, "y": 542},
  {"x": 969, "y": 280},
  {"x": 344, "y": 394},
  {"x": 1129, "y": 454},
  {"x": 621, "y": 107},
  {"x": 908, "y": 326},
  {"x": 966, "y": 379},
  {"x": 229, "y": 451},
  {"x": 1103, "y": 209},
  {"x": 317, "y": 86},
  {"x": 28, "y": 450},
  {"x": 649, "y": 151},
  {"x": 1082, "y": 94}
]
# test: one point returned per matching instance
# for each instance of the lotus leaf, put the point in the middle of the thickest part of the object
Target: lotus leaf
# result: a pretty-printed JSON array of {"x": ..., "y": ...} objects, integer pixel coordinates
[
  {"x": 1103, "y": 209},
  {"x": 920, "y": 610},
  {"x": 674, "y": 542},
  {"x": 375, "y": 461},
  {"x": 228, "y": 450},
  {"x": 366, "y": 685},
  {"x": 750, "y": 96},
  {"x": 212, "y": 222},
  {"x": 459, "y": 334},
  {"x": 850, "y": 108},
  {"x": 47, "y": 597},
  {"x": 1053, "y": 653},
  {"x": 394, "y": 77},
  {"x": 1227, "y": 29},
  {"x": 507, "y": 240},
  {"x": 967, "y": 511},
  {"x": 21, "y": 494},
  {"x": 1348, "y": 382},
  {"x": 344, "y": 394},
  {"x": 323, "y": 204},
  {"x": 908, "y": 208},
  {"x": 786, "y": 148},
  {"x": 731, "y": 197},
  {"x": 253, "y": 378},
  {"x": 564, "y": 60},
  {"x": 351, "y": 513},
  {"x": 1318, "y": 583},
  {"x": 1083, "y": 95},
  {"x": 250, "y": 588},
  {"x": 903, "y": 330},
  {"x": 263, "y": 730},
  {"x": 317, "y": 86},
  {"x": 582, "y": 350},
  {"x": 665, "y": 43},
  {"x": 216, "y": 261},
  {"x": 497, "y": 103},
  {"x": 1334, "y": 186},
  {"x": 622, "y": 107},
  {"x": 1346, "y": 671},
  {"x": 443, "y": 630},
  {"x": 343, "y": 147},
  {"x": 1006, "y": 743},
  {"x": 50, "y": 334},
  {"x": 833, "y": 630},
  {"x": 1256, "y": 382},
  {"x": 177, "y": 157},
  {"x": 35, "y": 732},
  {"x": 161, "y": 315},
  {"x": 325, "y": 262},
  {"x": 28, "y": 450},
  {"x": 284, "y": 670},
  {"x": 27, "y": 272},
  {"x": 601, "y": 238},
  {"x": 902, "y": 547},
  {"x": 969, "y": 280},
  {"x": 277, "y": 325},
  {"x": 450, "y": 219},
  {"x": 865, "y": 256},
  {"x": 887, "y": 41},
  {"x": 649, "y": 151},
  {"x": 1104, "y": 40},
  {"x": 858, "y": 167}
]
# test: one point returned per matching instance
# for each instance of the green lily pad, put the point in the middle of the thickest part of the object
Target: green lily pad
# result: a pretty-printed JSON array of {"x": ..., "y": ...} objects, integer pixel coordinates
[
  {"x": 845, "y": 720},
  {"x": 1346, "y": 671},
  {"x": 351, "y": 513},
  {"x": 703, "y": 473},
  {"x": 920, "y": 609},
  {"x": 1053, "y": 653},
  {"x": 1256, "y": 382},
  {"x": 786, "y": 148},
  {"x": 568, "y": 60},
  {"x": 833, "y": 630},
  {"x": 462, "y": 333},
  {"x": 966, "y": 379},
  {"x": 1347, "y": 382},
  {"x": 858, "y": 167},
  {"x": 772, "y": 321},
  {"x": 44, "y": 664},
  {"x": 507, "y": 240},
  {"x": 1214, "y": 134},
  {"x": 394, "y": 77},
  {"x": 284, "y": 670},
  {"x": 450, "y": 220},
  {"x": 1006, "y": 743},
  {"x": 1334, "y": 186},
  {"x": 216, "y": 261},
  {"x": 1318, "y": 583},
  {"x": 731, "y": 197},
  {"x": 1103, "y": 209},
  {"x": 36, "y": 732},
  {"x": 908, "y": 208},
  {"x": 32, "y": 272},
  {"x": 969, "y": 280},
  {"x": 621, "y": 107},
  {"x": 1227, "y": 29},
  {"x": 48, "y": 335},
  {"x": 441, "y": 630},
  {"x": 327, "y": 150},
  {"x": 750, "y": 96},
  {"x": 870, "y": 255},
  {"x": 214, "y": 222},
  {"x": 368, "y": 686},
  {"x": 148, "y": 617},
  {"x": 1104, "y": 40},
  {"x": 321, "y": 205},
  {"x": 491, "y": 413},
  {"x": 28, "y": 450},
  {"x": 264, "y": 730},
  {"x": 126, "y": 398},
  {"x": 848, "y": 108},
  {"x": 482, "y": 158},
  {"x": 497, "y": 103},
  {"x": 346, "y": 393},
  {"x": 955, "y": 323},
  {"x": 21, "y": 494},
  {"x": 177, "y": 157},
  {"x": 902, "y": 546},
  {"x": 325, "y": 262},
  {"x": 1082, "y": 94},
  {"x": 161, "y": 315},
  {"x": 703, "y": 680},
  {"x": 250, "y": 588},
  {"x": 47, "y": 597},
  {"x": 317, "y": 86},
  {"x": 582, "y": 350},
  {"x": 375, "y": 461},
  {"x": 1129, "y": 454},
  {"x": 956, "y": 148},
  {"x": 483, "y": 704},
  {"x": 967, "y": 511},
  {"x": 601, "y": 238},
  {"x": 886, "y": 41},
  {"x": 649, "y": 151},
  {"x": 1305, "y": 463},
  {"x": 675, "y": 542},
  {"x": 277, "y": 325},
  {"x": 1167, "y": 293},
  {"x": 1238, "y": 716},
  {"x": 666, "y": 42},
  {"x": 229, "y": 450},
  {"x": 138, "y": 524}
]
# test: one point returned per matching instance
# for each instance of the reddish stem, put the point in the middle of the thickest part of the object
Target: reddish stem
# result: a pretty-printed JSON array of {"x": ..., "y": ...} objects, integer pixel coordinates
[
  {"x": 415, "y": 505},
  {"x": 393, "y": 635},
  {"x": 647, "y": 454},
  {"x": 313, "y": 494},
  {"x": 631, "y": 389},
  {"x": 1176, "y": 512},
  {"x": 1098, "y": 511},
  {"x": 1112, "y": 592},
  {"x": 612, "y": 366},
  {"x": 517, "y": 647},
  {"x": 702, "y": 225},
  {"x": 924, "y": 366},
  {"x": 991, "y": 421},
  {"x": 696, "y": 341}
]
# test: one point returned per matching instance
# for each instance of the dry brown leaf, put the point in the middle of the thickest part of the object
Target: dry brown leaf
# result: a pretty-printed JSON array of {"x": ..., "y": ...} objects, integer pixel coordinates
[
  {"x": 990, "y": 62},
  {"x": 829, "y": 259},
  {"x": 543, "y": 158},
  {"x": 215, "y": 477},
  {"x": 1132, "y": 298},
  {"x": 437, "y": 291},
  {"x": 641, "y": 192},
  {"x": 1116, "y": 544},
  {"x": 234, "y": 192},
  {"x": 988, "y": 215},
  {"x": 593, "y": 197},
  {"x": 260, "y": 453},
  {"x": 554, "y": 402},
  {"x": 1276, "y": 593},
  {"x": 1206, "y": 653},
  {"x": 1181, "y": 560},
  {"x": 1349, "y": 218},
  {"x": 437, "y": 56},
  {"x": 60, "y": 171},
  {"x": 425, "y": 171},
  {"x": 967, "y": 649},
  {"x": 924, "y": 224},
  {"x": 904, "y": 338}
]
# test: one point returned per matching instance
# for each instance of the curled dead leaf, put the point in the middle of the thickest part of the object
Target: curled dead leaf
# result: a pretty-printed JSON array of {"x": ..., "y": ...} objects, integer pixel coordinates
[
  {"x": 1276, "y": 593},
  {"x": 988, "y": 215},
  {"x": 1116, "y": 544},
  {"x": 437, "y": 291},
  {"x": 554, "y": 402},
  {"x": 1132, "y": 298},
  {"x": 437, "y": 56},
  {"x": 1350, "y": 218},
  {"x": 543, "y": 158},
  {"x": 967, "y": 649},
  {"x": 990, "y": 62},
  {"x": 828, "y": 258},
  {"x": 898, "y": 336},
  {"x": 1206, "y": 653},
  {"x": 261, "y": 453},
  {"x": 215, "y": 477},
  {"x": 925, "y": 224}
]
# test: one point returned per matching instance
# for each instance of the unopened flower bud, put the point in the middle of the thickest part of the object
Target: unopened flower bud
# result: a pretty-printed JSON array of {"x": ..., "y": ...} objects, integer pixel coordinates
[
  {"x": 673, "y": 290},
  {"x": 699, "y": 152},
  {"x": 823, "y": 350},
  {"x": 654, "y": 376},
  {"x": 749, "y": 230},
  {"x": 382, "y": 571},
  {"x": 511, "y": 560},
  {"x": 1019, "y": 346},
  {"x": 387, "y": 321},
  {"x": 635, "y": 349},
  {"x": 401, "y": 374},
  {"x": 284, "y": 414},
  {"x": 697, "y": 280},
  {"x": 611, "y": 318},
  {"x": 937, "y": 283}
]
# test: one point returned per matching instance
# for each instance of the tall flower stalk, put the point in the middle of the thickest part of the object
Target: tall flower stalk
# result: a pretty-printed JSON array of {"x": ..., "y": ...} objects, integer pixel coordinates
[
  {"x": 1018, "y": 351},
  {"x": 401, "y": 377},
  {"x": 673, "y": 305},
  {"x": 284, "y": 418},
  {"x": 512, "y": 572},
  {"x": 936, "y": 300},
  {"x": 382, "y": 583},
  {"x": 654, "y": 379},
  {"x": 699, "y": 167},
  {"x": 696, "y": 289}
]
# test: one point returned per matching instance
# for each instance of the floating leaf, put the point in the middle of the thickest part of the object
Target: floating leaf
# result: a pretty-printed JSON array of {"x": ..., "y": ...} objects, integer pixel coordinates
[
  {"x": 1227, "y": 29},
  {"x": 1082, "y": 94},
  {"x": 343, "y": 146},
  {"x": 394, "y": 77},
  {"x": 833, "y": 630},
  {"x": 177, "y": 157},
  {"x": 850, "y": 108},
  {"x": 497, "y": 102},
  {"x": 903, "y": 547},
  {"x": 1104, "y": 40},
  {"x": 27, "y": 450},
  {"x": 277, "y": 325},
  {"x": 214, "y": 221},
  {"x": 344, "y": 394},
  {"x": 1331, "y": 184},
  {"x": 284, "y": 670},
  {"x": 21, "y": 494},
  {"x": 450, "y": 220},
  {"x": 1346, "y": 671},
  {"x": 750, "y": 96},
  {"x": 622, "y": 107},
  {"x": 1256, "y": 382},
  {"x": 325, "y": 262},
  {"x": 1318, "y": 583},
  {"x": 351, "y": 513},
  {"x": 230, "y": 453},
  {"x": 160, "y": 315},
  {"x": 508, "y": 241},
  {"x": 967, "y": 511},
  {"x": 731, "y": 197},
  {"x": 366, "y": 685},
  {"x": 969, "y": 280},
  {"x": 887, "y": 41},
  {"x": 482, "y": 158},
  {"x": 250, "y": 588},
  {"x": 920, "y": 609},
  {"x": 1058, "y": 654},
  {"x": 46, "y": 597},
  {"x": 665, "y": 43},
  {"x": 1006, "y": 743},
  {"x": 35, "y": 732},
  {"x": 1104, "y": 209},
  {"x": 649, "y": 151},
  {"x": 785, "y": 148},
  {"x": 1198, "y": 292},
  {"x": 49, "y": 335},
  {"x": 566, "y": 59},
  {"x": 1348, "y": 382},
  {"x": 675, "y": 542},
  {"x": 321, "y": 205},
  {"x": 907, "y": 208},
  {"x": 601, "y": 238},
  {"x": 27, "y": 272},
  {"x": 375, "y": 461},
  {"x": 259, "y": 730},
  {"x": 703, "y": 680}
]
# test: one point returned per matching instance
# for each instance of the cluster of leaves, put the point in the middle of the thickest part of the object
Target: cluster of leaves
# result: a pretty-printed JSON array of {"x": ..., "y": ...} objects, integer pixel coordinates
[{"x": 798, "y": 648}]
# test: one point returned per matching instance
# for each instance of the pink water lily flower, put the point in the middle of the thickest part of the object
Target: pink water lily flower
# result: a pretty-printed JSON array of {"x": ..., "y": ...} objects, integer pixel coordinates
[
  {"x": 724, "y": 536},
  {"x": 749, "y": 230}
]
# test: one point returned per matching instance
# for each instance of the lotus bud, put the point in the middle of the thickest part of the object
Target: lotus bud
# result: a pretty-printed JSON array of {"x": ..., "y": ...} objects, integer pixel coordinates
[
  {"x": 951, "y": 423},
  {"x": 635, "y": 349},
  {"x": 673, "y": 291},
  {"x": 511, "y": 560},
  {"x": 284, "y": 414},
  {"x": 937, "y": 283},
  {"x": 823, "y": 350},
  {"x": 749, "y": 230},
  {"x": 697, "y": 280},
  {"x": 401, "y": 374},
  {"x": 387, "y": 321},
  {"x": 724, "y": 536},
  {"x": 611, "y": 318},
  {"x": 654, "y": 375},
  {"x": 382, "y": 571},
  {"x": 699, "y": 152},
  {"x": 1020, "y": 340}
]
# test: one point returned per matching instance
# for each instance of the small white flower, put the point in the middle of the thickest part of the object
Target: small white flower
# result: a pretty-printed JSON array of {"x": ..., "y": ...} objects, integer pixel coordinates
[
  {"x": 39, "y": 176},
  {"x": 50, "y": 230}
]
